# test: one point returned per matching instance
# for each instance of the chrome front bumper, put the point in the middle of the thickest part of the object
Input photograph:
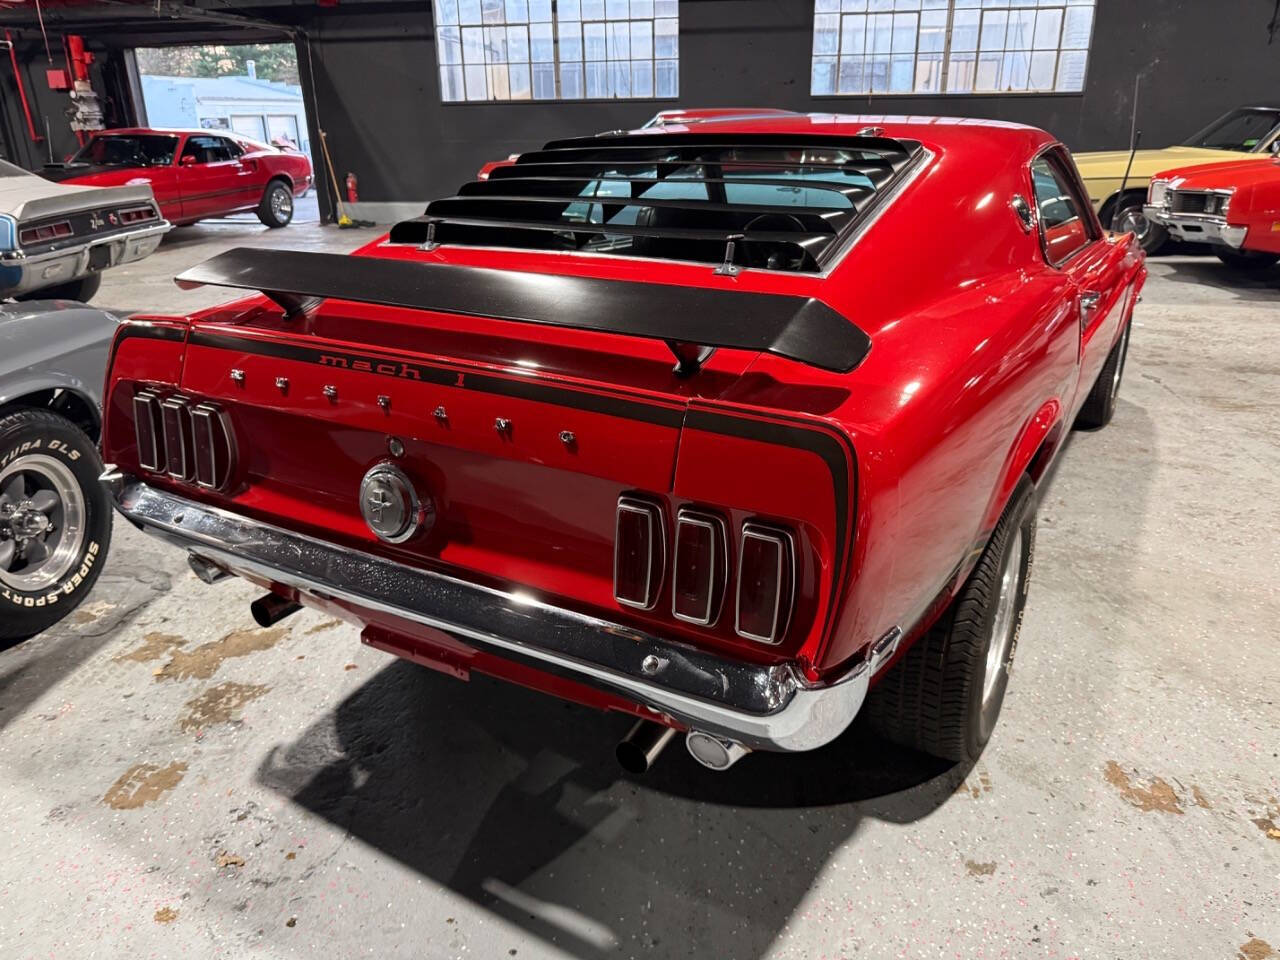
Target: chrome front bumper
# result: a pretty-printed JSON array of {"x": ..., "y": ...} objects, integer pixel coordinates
[
  {"x": 767, "y": 708},
  {"x": 21, "y": 274},
  {"x": 1196, "y": 227}
]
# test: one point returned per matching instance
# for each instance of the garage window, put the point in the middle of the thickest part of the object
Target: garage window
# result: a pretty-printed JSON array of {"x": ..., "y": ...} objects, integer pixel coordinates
[
  {"x": 557, "y": 49},
  {"x": 861, "y": 47}
]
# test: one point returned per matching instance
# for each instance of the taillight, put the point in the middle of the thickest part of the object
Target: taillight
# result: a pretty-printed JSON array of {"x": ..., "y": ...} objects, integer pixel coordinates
[
  {"x": 176, "y": 425},
  {"x": 146, "y": 425},
  {"x": 639, "y": 553},
  {"x": 137, "y": 214},
  {"x": 45, "y": 233},
  {"x": 189, "y": 443},
  {"x": 700, "y": 567},
  {"x": 766, "y": 582}
]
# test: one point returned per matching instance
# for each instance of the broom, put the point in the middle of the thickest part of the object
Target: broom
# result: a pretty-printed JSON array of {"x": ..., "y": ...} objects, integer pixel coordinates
[{"x": 344, "y": 222}]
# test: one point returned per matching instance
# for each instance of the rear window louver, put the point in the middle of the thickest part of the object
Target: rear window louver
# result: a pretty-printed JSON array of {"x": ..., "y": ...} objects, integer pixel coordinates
[{"x": 772, "y": 201}]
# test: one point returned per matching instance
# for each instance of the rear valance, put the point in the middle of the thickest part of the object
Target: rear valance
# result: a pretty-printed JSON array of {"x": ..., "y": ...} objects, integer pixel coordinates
[{"x": 798, "y": 328}]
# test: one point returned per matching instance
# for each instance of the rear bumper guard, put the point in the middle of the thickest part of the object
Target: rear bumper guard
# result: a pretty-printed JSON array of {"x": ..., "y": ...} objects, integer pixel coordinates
[{"x": 763, "y": 707}]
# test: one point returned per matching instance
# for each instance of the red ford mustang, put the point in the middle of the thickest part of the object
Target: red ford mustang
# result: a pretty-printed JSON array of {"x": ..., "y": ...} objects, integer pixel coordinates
[
  {"x": 736, "y": 430},
  {"x": 1235, "y": 207},
  {"x": 194, "y": 174}
]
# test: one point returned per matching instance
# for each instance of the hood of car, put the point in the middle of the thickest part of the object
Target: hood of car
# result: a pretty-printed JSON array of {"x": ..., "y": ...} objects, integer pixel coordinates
[
  {"x": 1111, "y": 164},
  {"x": 1215, "y": 176}
]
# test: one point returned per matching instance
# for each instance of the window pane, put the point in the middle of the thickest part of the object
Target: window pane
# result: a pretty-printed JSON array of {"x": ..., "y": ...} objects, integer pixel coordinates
[
  {"x": 1042, "y": 68},
  {"x": 518, "y": 44},
  {"x": 904, "y": 32},
  {"x": 619, "y": 45},
  {"x": 539, "y": 10},
  {"x": 517, "y": 11},
  {"x": 641, "y": 78},
  {"x": 597, "y": 80},
  {"x": 568, "y": 10},
  {"x": 994, "y": 23},
  {"x": 853, "y": 6},
  {"x": 468, "y": 11},
  {"x": 544, "y": 81},
  {"x": 929, "y": 73},
  {"x": 491, "y": 11},
  {"x": 477, "y": 88},
  {"x": 541, "y": 47},
  {"x": 498, "y": 86},
  {"x": 616, "y": 9},
  {"x": 825, "y": 38},
  {"x": 823, "y": 83},
  {"x": 881, "y": 33},
  {"x": 592, "y": 9},
  {"x": 495, "y": 44},
  {"x": 960, "y": 74},
  {"x": 1048, "y": 27},
  {"x": 664, "y": 8},
  {"x": 901, "y": 74},
  {"x": 570, "y": 40},
  {"x": 571, "y": 81},
  {"x": 850, "y": 78},
  {"x": 1071, "y": 71},
  {"x": 878, "y": 74},
  {"x": 449, "y": 45},
  {"x": 933, "y": 31},
  {"x": 446, "y": 12},
  {"x": 853, "y": 31},
  {"x": 1075, "y": 32},
  {"x": 641, "y": 40},
  {"x": 666, "y": 38},
  {"x": 964, "y": 31},
  {"x": 520, "y": 87},
  {"x": 620, "y": 79},
  {"x": 668, "y": 74},
  {"x": 641, "y": 9},
  {"x": 594, "y": 36},
  {"x": 473, "y": 44},
  {"x": 988, "y": 77},
  {"x": 1014, "y": 73},
  {"x": 451, "y": 87}
]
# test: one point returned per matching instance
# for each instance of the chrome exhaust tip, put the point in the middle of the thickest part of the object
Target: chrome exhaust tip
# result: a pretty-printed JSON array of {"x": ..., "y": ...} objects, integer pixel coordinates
[
  {"x": 714, "y": 753},
  {"x": 637, "y": 751},
  {"x": 206, "y": 570},
  {"x": 271, "y": 608}
]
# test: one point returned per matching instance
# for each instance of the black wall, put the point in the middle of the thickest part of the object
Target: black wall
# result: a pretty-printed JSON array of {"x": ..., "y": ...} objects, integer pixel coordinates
[{"x": 377, "y": 94}]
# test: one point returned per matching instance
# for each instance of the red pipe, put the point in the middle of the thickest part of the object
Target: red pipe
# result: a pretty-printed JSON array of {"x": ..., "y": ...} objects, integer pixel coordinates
[{"x": 22, "y": 91}]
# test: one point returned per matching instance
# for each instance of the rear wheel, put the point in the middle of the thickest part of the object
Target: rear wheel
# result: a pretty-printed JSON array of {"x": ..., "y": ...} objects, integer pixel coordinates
[
  {"x": 55, "y": 521},
  {"x": 944, "y": 695},
  {"x": 82, "y": 290},
  {"x": 1128, "y": 217},
  {"x": 1100, "y": 406},
  {"x": 276, "y": 207},
  {"x": 1252, "y": 260}
]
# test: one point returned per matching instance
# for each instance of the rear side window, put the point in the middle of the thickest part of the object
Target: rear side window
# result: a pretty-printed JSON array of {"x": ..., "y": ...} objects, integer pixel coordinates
[
  {"x": 1064, "y": 228},
  {"x": 210, "y": 149}
]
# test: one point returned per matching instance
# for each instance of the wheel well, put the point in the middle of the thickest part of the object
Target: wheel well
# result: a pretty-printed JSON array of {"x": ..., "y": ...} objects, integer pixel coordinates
[
  {"x": 1104, "y": 212},
  {"x": 282, "y": 177},
  {"x": 74, "y": 406},
  {"x": 1043, "y": 456}
]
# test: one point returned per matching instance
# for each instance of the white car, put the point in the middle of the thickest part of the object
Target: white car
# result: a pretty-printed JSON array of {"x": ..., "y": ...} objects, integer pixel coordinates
[{"x": 56, "y": 239}]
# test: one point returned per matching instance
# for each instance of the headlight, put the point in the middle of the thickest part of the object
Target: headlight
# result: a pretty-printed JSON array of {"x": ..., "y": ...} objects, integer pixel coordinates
[
  {"x": 1156, "y": 192},
  {"x": 1216, "y": 204}
]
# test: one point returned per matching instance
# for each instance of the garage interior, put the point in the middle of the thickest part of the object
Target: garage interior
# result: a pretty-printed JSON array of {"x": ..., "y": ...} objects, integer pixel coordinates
[{"x": 180, "y": 782}]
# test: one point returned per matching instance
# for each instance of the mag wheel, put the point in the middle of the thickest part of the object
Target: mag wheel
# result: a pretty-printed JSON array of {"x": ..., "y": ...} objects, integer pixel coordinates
[
  {"x": 276, "y": 207},
  {"x": 55, "y": 521},
  {"x": 1130, "y": 218},
  {"x": 945, "y": 694},
  {"x": 1100, "y": 406}
]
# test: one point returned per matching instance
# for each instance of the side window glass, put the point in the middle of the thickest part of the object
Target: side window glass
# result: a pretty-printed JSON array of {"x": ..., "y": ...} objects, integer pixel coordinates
[
  {"x": 1063, "y": 228},
  {"x": 228, "y": 149}
]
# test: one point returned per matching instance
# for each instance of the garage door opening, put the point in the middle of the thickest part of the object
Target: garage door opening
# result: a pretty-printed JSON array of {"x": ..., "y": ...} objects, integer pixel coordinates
[{"x": 251, "y": 90}]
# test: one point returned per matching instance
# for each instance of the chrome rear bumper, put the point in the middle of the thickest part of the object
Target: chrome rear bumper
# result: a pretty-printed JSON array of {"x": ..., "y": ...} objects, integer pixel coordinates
[{"x": 768, "y": 708}]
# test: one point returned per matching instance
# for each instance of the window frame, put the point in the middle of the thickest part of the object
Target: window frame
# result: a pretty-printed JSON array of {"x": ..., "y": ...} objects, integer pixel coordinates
[
  {"x": 945, "y": 61},
  {"x": 555, "y": 62},
  {"x": 1056, "y": 155}
]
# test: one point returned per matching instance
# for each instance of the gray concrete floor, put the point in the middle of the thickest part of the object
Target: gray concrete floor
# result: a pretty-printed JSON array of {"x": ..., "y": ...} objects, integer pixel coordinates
[{"x": 177, "y": 783}]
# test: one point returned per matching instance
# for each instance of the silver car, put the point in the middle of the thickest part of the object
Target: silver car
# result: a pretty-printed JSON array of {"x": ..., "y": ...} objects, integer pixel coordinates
[
  {"x": 56, "y": 239},
  {"x": 55, "y": 518}
]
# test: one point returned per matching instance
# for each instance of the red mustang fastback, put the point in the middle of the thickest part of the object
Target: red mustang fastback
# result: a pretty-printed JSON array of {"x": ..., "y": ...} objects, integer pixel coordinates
[
  {"x": 194, "y": 174},
  {"x": 1233, "y": 206},
  {"x": 729, "y": 429}
]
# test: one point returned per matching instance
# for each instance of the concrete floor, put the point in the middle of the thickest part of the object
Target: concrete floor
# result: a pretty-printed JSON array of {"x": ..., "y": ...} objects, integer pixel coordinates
[{"x": 177, "y": 783}]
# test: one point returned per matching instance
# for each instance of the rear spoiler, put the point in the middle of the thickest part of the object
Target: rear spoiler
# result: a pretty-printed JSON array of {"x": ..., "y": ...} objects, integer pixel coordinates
[{"x": 692, "y": 321}]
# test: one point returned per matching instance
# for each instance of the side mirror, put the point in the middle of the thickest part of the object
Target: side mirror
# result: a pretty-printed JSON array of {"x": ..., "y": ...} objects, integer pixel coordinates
[{"x": 188, "y": 160}]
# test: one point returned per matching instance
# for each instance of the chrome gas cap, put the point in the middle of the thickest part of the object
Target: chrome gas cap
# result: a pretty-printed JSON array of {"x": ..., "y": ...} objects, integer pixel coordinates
[{"x": 391, "y": 506}]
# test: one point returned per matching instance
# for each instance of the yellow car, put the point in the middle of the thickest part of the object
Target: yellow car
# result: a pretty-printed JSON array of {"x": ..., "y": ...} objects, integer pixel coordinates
[{"x": 1247, "y": 130}]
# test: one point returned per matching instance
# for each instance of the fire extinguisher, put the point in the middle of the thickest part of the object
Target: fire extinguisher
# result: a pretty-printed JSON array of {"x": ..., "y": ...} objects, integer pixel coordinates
[{"x": 353, "y": 195}]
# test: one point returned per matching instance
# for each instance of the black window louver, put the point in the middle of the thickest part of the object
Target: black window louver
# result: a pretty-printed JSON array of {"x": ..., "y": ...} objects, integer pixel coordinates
[{"x": 765, "y": 200}]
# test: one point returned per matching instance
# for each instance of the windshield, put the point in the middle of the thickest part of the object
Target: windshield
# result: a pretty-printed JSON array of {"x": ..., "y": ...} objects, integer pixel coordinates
[
  {"x": 133, "y": 150},
  {"x": 1247, "y": 130}
]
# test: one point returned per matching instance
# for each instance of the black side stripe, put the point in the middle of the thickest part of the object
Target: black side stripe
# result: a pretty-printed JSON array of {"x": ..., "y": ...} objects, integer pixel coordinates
[{"x": 145, "y": 330}]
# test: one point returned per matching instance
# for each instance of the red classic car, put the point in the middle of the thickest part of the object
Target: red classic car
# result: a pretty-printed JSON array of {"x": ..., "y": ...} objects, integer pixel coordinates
[
  {"x": 194, "y": 174},
  {"x": 1233, "y": 206},
  {"x": 728, "y": 430}
]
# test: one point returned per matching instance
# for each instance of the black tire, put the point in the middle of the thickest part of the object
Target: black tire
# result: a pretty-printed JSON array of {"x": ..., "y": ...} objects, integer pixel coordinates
[
  {"x": 83, "y": 290},
  {"x": 275, "y": 209},
  {"x": 1247, "y": 260},
  {"x": 41, "y": 453},
  {"x": 1100, "y": 406},
  {"x": 1125, "y": 216},
  {"x": 935, "y": 698}
]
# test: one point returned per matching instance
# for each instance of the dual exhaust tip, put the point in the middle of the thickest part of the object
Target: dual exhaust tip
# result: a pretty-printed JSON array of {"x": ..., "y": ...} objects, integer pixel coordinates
[{"x": 639, "y": 749}]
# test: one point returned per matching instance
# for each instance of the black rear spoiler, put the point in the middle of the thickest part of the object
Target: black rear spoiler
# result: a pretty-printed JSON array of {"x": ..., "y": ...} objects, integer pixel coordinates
[{"x": 691, "y": 320}]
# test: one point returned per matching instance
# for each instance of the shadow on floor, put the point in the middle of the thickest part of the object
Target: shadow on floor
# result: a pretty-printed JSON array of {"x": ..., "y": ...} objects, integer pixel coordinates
[
  {"x": 1261, "y": 285},
  {"x": 513, "y": 800}
]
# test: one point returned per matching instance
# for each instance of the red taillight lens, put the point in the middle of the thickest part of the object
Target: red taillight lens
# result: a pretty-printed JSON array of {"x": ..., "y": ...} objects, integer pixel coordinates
[
  {"x": 146, "y": 425},
  {"x": 45, "y": 233},
  {"x": 639, "y": 552},
  {"x": 213, "y": 449},
  {"x": 766, "y": 583},
  {"x": 176, "y": 421},
  {"x": 137, "y": 214},
  {"x": 700, "y": 567}
]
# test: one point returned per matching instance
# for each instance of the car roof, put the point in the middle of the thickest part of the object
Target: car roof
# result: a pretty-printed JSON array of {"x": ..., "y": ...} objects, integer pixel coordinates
[{"x": 168, "y": 131}]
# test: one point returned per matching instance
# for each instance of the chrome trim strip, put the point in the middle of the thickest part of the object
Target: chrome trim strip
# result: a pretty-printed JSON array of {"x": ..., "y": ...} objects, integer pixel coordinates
[
  {"x": 709, "y": 521},
  {"x": 142, "y": 408},
  {"x": 786, "y": 551},
  {"x": 764, "y": 707}
]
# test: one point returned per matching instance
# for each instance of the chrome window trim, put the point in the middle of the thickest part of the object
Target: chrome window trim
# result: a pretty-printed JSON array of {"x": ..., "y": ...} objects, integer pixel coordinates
[
  {"x": 786, "y": 550},
  {"x": 709, "y": 521},
  {"x": 657, "y": 539}
]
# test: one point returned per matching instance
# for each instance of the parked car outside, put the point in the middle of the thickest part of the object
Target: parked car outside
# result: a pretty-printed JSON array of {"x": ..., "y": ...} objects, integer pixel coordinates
[
  {"x": 697, "y": 425},
  {"x": 56, "y": 239},
  {"x": 1245, "y": 134},
  {"x": 55, "y": 516},
  {"x": 1233, "y": 206},
  {"x": 195, "y": 174}
]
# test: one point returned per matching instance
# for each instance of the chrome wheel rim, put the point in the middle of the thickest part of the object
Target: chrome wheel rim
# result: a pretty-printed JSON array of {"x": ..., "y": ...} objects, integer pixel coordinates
[
  {"x": 42, "y": 522},
  {"x": 1133, "y": 220},
  {"x": 1005, "y": 625},
  {"x": 281, "y": 203}
]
